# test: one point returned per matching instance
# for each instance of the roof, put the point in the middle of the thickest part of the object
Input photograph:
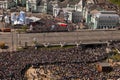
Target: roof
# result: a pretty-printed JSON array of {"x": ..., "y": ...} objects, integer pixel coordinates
[
  {"x": 106, "y": 13},
  {"x": 95, "y": 11}
]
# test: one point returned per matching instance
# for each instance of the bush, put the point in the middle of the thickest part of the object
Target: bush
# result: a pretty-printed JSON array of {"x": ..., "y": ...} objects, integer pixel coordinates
[{"x": 24, "y": 28}]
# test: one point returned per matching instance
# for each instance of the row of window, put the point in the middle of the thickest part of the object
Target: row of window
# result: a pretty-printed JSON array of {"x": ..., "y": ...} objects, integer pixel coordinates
[
  {"x": 113, "y": 21},
  {"x": 106, "y": 24},
  {"x": 102, "y": 27}
]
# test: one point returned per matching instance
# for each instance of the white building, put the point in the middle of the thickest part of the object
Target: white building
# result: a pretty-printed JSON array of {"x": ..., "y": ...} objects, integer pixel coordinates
[
  {"x": 55, "y": 11},
  {"x": 31, "y": 5},
  {"x": 104, "y": 20},
  {"x": 7, "y": 4},
  {"x": 79, "y": 7}
]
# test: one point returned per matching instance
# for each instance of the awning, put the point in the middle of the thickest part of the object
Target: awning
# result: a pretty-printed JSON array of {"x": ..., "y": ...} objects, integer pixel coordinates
[{"x": 62, "y": 24}]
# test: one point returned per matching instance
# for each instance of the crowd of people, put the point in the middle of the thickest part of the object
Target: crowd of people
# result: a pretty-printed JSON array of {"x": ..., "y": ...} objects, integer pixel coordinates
[
  {"x": 73, "y": 71},
  {"x": 71, "y": 62}
]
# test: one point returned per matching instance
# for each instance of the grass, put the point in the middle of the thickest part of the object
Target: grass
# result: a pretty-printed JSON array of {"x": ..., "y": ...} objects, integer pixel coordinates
[
  {"x": 116, "y": 57},
  {"x": 56, "y": 47}
]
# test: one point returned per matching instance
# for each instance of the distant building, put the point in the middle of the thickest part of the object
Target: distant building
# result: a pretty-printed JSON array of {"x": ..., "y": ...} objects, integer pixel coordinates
[
  {"x": 6, "y": 4},
  {"x": 69, "y": 14},
  {"x": 43, "y": 7},
  {"x": 36, "y": 6},
  {"x": 96, "y": 18},
  {"x": 88, "y": 6},
  {"x": 79, "y": 7},
  {"x": 50, "y": 6},
  {"x": 31, "y": 5},
  {"x": 104, "y": 20},
  {"x": 74, "y": 16},
  {"x": 20, "y": 2}
]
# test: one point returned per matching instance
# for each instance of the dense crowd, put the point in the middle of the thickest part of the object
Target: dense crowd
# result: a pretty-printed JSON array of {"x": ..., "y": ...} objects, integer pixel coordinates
[
  {"x": 73, "y": 71},
  {"x": 115, "y": 44},
  {"x": 73, "y": 62}
]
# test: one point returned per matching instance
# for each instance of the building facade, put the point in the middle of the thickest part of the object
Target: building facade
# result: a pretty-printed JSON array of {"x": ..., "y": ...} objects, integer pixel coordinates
[
  {"x": 105, "y": 20},
  {"x": 7, "y": 4},
  {"x": 76, "y": 16},
  {"x": 31, "y": 5},
  {"x": 36, "y": 6},
  {"x": 20, "y": 2}
]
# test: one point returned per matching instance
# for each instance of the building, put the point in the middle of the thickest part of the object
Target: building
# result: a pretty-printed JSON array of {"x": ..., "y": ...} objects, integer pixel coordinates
[
  {"x": 7, "y": 4},
  {"x": 88, "y": 7},
  {"x": 43, "y": 7},
  {"x": 79, "y": 7},
  {"x": 69, "y": 14},
  {"x": 31, "y": 5},
  {"x": 97, "y": 17},
  {"x": 104, "y": 20},
  {"x": 36, "y": 6},
  {"x": 74, "y": 16},
  {"x": 20, "y": 2}
]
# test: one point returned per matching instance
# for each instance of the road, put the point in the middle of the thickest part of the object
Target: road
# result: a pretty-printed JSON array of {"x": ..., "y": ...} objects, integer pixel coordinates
[{"x": 14, "y": 39}]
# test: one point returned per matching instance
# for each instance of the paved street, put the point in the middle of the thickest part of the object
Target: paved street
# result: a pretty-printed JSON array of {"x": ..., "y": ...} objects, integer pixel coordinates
[{"x": 14, "y": 39}]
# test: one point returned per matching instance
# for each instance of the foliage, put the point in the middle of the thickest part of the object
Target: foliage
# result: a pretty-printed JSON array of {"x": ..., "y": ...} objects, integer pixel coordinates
[
  {"x": 24, "y": 28},
  {"x": 116, "y": 57},
  {"x": 115, "y": 2}
]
